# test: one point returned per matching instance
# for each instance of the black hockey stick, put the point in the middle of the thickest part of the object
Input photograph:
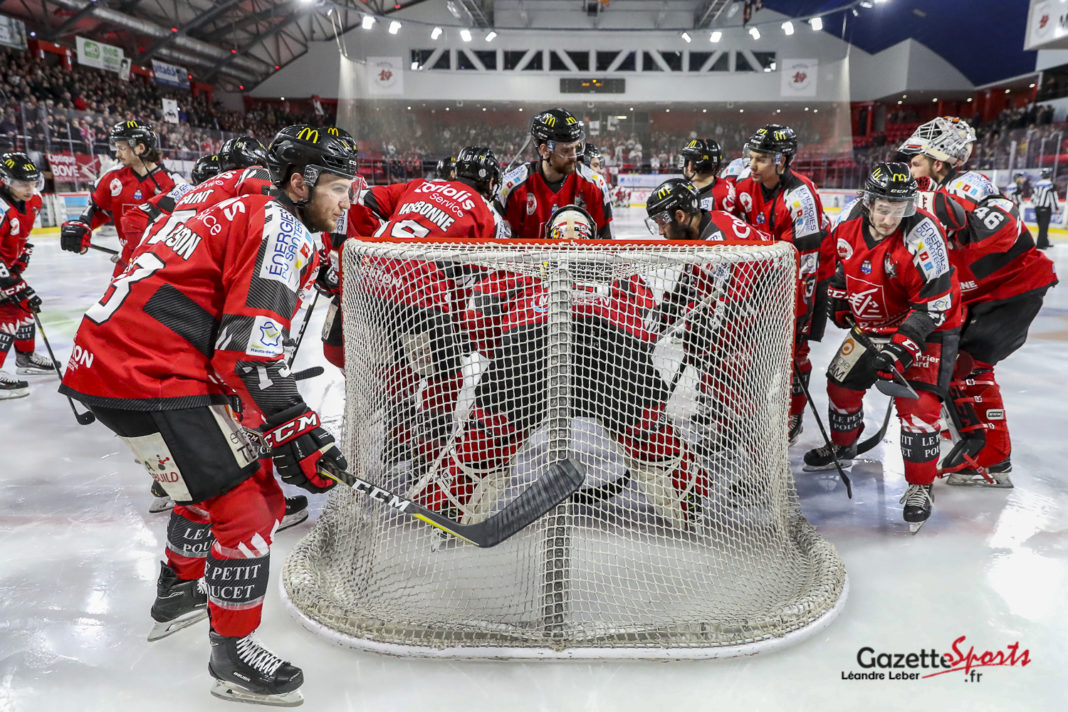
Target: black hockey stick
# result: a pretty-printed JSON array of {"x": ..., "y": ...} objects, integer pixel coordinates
[
  {"x": 83, "y": 418},
  {"x": 308, "y": 373},
  {"x": 303, "y": 328},
  {"x": 823, "y": 431},
  {"x": 550, "y": 489},
  {"x": 899, "y": 387},
  {"x": 875, "y": 439},
  {"x": 108, "y": 250}
]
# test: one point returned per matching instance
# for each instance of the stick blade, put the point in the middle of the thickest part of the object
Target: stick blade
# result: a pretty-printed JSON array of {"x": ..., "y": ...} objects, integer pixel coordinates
[{"x": 896, "y": 390}]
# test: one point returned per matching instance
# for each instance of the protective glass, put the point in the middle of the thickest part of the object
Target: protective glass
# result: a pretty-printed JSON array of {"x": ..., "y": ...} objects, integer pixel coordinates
[{"x": 879, "y": 207}]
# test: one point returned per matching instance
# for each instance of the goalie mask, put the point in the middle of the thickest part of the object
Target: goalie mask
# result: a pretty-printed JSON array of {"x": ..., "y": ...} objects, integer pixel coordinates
[
  {"x": 946, "y": 138},
  {"x": 570, "y": 223},
  {"x": 18, "y": 171},
  {"x": 890, "y": 191}
]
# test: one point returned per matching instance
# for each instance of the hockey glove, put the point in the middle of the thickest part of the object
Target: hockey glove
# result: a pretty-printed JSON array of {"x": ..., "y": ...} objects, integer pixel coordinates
[
  {"x": 74, "y": 236},
  {"x": 328, "y": 281},
  {"x": 23, "y": 260},
  {"x": 898, "y": 354},
  {"x": 838, "y": 305},
  {"x": 300, "y": 448},
  {"x": 22, "y": 295}
]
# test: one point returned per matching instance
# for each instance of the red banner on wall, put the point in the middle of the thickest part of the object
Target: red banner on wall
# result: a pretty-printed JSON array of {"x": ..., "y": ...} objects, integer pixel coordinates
[{"x": 73, "y": 171}]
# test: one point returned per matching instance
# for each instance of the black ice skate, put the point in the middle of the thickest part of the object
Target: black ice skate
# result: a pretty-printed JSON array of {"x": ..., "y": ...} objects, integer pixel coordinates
[
  {"x": 179, "y": 604},
  {"x": 161, "y": 501},
  {"x": 917, "y": 500},
  {"x": 33, "y": 364},
  {"x": 796, "y": 427},
  {"x": 296, "y": 512},
  {"x": 11, "y": 387},
  {"x": 245, "y": 671},
  {"x": 820, "y": 458},
  {"x": 969, "y": 477}
]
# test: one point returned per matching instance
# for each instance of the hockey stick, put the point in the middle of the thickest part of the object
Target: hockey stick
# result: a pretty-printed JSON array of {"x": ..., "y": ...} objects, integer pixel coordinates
[
  {"x": 823, "y": 431},
  {"x": 101, "y": 248},
  {"x": 303, "y": 328},
  {"x": 517, "y": 155},
  {"x": 899, "y": 387},
  {"x": 875, "y": 439},
  {"x": 308, "y": 373},
  {"x": 550, "y": 489},
  {"x": 83, "y": 418}
]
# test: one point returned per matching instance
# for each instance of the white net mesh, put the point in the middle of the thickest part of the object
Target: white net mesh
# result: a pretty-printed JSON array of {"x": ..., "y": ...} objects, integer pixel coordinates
[{"x": 663, "y": 368}]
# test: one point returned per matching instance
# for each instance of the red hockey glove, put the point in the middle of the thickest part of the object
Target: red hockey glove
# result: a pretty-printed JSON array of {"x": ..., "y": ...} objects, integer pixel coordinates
[
  {"x": 838, "y": 305},
  {"x": 74, "y": 236},
  {"x": 21, "y": 294},
  {"x": 300, "y": 448},
  {"x": 898, "y": 354},
  {"x": 23, "y": 260},
  {"x": 328, "y": 281}
]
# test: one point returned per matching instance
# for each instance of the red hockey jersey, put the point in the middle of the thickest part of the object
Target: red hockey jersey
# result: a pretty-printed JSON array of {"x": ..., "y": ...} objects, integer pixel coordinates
[
  {"x": 433, "y": 208},
  {"x": 209, "y": 295},
  {"x": 528, "y": 202},
  {"x": 720, "y": 194},
  {"x": 906, "y": 276},
  {"x": 16, "y": 222}
]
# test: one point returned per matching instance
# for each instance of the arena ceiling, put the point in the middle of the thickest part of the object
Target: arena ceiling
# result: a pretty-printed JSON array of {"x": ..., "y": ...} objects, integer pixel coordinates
[{"x": 240, "y": 42}]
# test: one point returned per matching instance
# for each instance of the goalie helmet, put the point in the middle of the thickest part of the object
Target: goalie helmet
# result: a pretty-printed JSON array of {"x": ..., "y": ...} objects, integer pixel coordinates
[
  {"x": 570, "y": 222},
  {"x": 891, "y": 182},
  {"x": 776, "y": 139},
  {"x": 311, "y": 151},
  {"x": 205, "y": 168},
  {"x": 705, "y": 154},
  {"x": 669, "y": 196},
  {"x": 17, "y": 166},
  {"x": 134, "y": 132},
  {"x": 945, "y": 138},
  {"x": 241, "y": 152},
  {"x": 556, "y": 126},
  {"x": 478, "y": 165},
  {"x": 445, "y": 169}
]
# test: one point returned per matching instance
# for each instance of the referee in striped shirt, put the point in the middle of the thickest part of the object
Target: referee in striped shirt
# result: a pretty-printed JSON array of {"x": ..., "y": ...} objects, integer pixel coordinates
[{"x": 1044, "y": 198}]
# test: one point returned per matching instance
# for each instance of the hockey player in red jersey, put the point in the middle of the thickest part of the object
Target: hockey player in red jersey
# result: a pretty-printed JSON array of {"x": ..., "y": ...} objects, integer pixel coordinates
[
  {"x": 219, "y": 290},
  {"x": 140, "y": 177},
  {"x": 506, "y": 321},
  {"x": 20, "y": 181},
  {"x": 532, "y": 192},
  {"x": 1004, "y": 279},
  {"x": 700, "y": 161},
  {"x": 785, "y": 203},
  {"x": 893, "y": 278}
]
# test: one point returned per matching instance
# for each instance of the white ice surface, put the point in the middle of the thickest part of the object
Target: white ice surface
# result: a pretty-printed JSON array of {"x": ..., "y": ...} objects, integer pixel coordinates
[{"x": 79, "y": 553}]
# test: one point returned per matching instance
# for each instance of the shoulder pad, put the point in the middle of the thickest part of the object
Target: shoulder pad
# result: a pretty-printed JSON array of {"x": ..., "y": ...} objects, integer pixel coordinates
[
  {"x": 851, "y": 211},
  {"x": 512, "y": 180},
  {"x": 106, "y": 175},
  {"x": 593, "y": 177},
  {"x": 804, "y": 210},
  {"x": 972, "y": 186},
  {"x": 928, "y": 248}
]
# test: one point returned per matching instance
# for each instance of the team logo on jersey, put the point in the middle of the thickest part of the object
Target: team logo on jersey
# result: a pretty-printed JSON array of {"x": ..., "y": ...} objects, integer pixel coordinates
[
  {"x": 747, "y": 202},
  {"x": 115, "y": 187},
  {"x": 532, "y": 204},
  {"x": 865, "y": 266},
  {"x": 285, "y": 250},
  {"x": 137, "y": 194},
  {"x": 265, "y": 339},
  {"x": 845, "y": 250},
  {"x": 14, "y": 226},
  {"x": 890, "y": 268}
]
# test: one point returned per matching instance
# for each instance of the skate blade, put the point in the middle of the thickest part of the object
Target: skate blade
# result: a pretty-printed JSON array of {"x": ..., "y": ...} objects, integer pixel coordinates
[
  {"x": 32, "y": 371},
  {"x": 846, "y": 464},
  {"x": 292, "y": 520},
  {"x": 15, "y": 393},
  {"x": 960, "y": 480},
  {"x": 162, "y": 630},
  {"x": 160, "y": 504},
  {"x": 916, "y": 526},
  {"x": 233, "y": 692}
]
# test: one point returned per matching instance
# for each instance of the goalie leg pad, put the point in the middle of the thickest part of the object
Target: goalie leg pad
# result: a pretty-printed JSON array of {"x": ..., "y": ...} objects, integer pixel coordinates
[
  {"x": 920, "y": 426},
  {"x": 980, "y": 408}
]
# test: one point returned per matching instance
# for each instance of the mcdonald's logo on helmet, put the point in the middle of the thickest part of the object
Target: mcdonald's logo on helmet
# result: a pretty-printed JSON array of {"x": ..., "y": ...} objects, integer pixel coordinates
[{"x": 308, "y": 134}]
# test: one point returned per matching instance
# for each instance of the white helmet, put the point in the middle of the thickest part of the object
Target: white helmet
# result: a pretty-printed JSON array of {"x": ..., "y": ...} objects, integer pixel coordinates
[
  {"x": 946, "y": 138},
  {"x": 570, "y": 223}
]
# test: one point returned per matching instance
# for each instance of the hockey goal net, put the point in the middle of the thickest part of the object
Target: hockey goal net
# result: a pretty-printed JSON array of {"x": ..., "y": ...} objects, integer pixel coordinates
[{"x": 663, "y": 368}]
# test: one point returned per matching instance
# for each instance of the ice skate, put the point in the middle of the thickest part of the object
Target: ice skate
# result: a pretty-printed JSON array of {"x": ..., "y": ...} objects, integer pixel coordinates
[
  {"x": 973, "y": 478},
  {"x": 821, "y": 458},
  {"x": 917, "y": 500},
  {"x": 179, "y": 604},
  {"x": 161, "y": 501},
  {"x": 296, "y": 512},
  {"x": 245, "y": 671},
  {"x": 33, "y": 364},
  {"x": 796, "y": 427},
  {"x": 11, "y": 387}
]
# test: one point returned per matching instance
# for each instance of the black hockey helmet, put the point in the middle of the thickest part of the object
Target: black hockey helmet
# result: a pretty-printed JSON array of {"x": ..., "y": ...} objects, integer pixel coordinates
[
  {"x": 775, "y": 139},
  {"x": 570, "y": 222},
  {"x": 1047, "y": 173},
  {"x": 705, "y": 154},
  {"x": 241, "y": 152},
  {"x": 17, "y": 166},
  {"x": 671, "y": 195},
  {"x": 892, "y": 182},
  {"x": 206, "y": 167},
  {"x": 556, "y": 126},
  {"x": 312, "y": 151},
  {"x": 590, "y": 153},
  {"x": 445, "y": 169},
  {"x": 134, "y": 132},
  {"x": 478, "y": 165}
]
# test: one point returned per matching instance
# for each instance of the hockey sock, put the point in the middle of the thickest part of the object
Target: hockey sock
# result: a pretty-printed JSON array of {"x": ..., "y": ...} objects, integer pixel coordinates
[
  {"x": 845, "y": 411},
  {"x": 979, "y": 405},
  {"x": 24, "y": 338},
  {"x": 188, "y": 541},
  {"x": 920, "y": 436}
]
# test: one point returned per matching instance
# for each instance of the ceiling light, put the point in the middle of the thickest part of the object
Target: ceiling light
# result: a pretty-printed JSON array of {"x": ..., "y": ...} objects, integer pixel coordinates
[
  {"x": 816, "y": 23},
  {"x": 1008, "y": 90},
  {"x": 715, "y": 36},
  {"x": 465, "y": 35},
  {"x": 754, "y": 33},
  {"x": 1030, "y": 86},
  {"x": 686, "y": 37},
  {"x": 435, "y": 33},
  {"x": 368, "y": 22},
  {"x": 856, "y": 12},
  {"x": 394, "y": 27},
  {"x": 787, "y": 28},
  {"x": 969, "y": 100},
  {"x": 866, "y": 4},
  {"x": 491, "y": 35},
  {"x": 934, "y": 100}
]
